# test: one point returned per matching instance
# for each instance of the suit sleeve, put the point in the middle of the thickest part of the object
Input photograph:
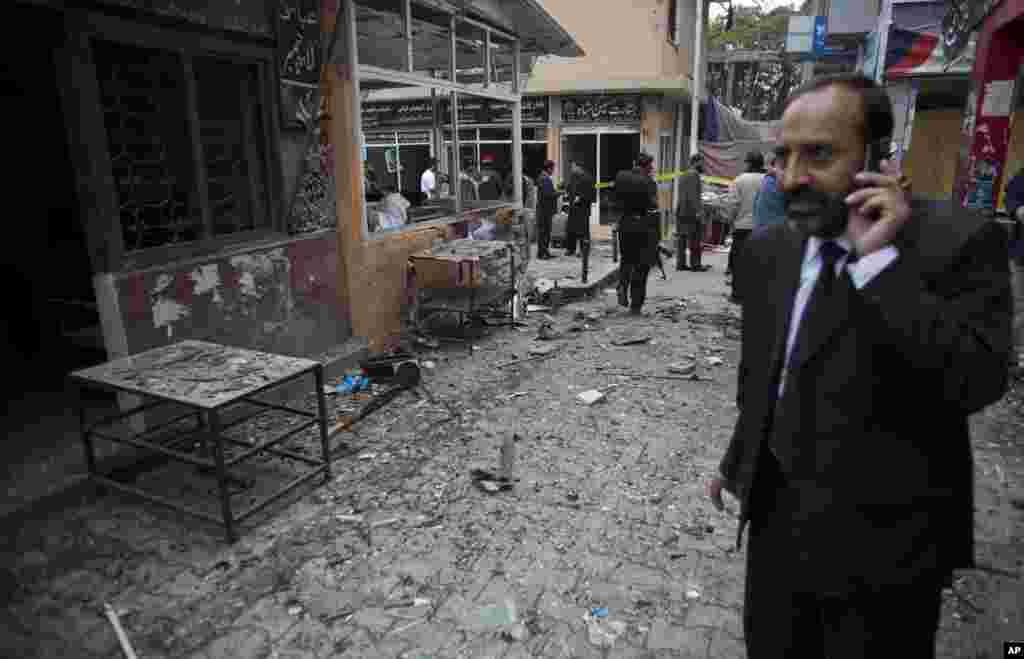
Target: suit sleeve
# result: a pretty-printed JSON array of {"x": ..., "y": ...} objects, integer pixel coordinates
[
  {"x": 957, "y": 331},
  {"x": 689, "y": 193},
  {"x": 652, "y": 195},
  {"x": 587, "y": 190},
  {"x": 547, "y": 189}
]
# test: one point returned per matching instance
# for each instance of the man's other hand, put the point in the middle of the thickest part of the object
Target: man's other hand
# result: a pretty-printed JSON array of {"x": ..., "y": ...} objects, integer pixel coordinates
[{"x": 715, "y": 487}]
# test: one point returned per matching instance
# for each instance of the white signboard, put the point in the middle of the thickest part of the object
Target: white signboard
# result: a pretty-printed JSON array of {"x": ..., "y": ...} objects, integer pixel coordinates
[
  {"x": 800, "y": 36},
  {"x": 998, "y": 99}
]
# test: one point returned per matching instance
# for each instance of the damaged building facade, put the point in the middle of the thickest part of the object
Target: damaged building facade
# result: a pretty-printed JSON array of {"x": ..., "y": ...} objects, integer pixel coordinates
[
  {"x": 196, "y": 169},
  {"x": 204, "y": 146}
]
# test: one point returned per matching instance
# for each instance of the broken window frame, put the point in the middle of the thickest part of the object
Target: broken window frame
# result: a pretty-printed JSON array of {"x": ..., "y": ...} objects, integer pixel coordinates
[
  {"x": 85, "y": 27},
  {"x": 446, "y": 83}
]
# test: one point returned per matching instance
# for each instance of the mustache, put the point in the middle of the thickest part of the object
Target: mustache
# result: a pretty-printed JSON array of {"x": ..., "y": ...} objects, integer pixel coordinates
[{"x": 806, "y": 196}]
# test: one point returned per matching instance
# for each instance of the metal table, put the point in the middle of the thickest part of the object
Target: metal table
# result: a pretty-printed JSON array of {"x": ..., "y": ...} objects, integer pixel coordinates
[{"x": 207, "y": 379}]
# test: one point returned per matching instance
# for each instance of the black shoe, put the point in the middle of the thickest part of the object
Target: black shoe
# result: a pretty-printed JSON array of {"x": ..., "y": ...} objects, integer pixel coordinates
[
  {"x": 681, "y": 268},
  {"x": 570, "y": 253},
  {"x": 636, "y": 311},
  {"x": 623, "y": 300}
]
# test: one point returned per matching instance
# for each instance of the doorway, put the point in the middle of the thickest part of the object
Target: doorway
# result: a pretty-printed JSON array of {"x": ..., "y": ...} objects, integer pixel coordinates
[
  {"x": 53, "y": 325},
  {"x": 618, "y": 152},
  {"x": 604, "y": 152}
]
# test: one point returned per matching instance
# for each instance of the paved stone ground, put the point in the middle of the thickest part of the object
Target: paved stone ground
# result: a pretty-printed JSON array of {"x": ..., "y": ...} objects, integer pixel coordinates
[{"x": 608, "y": 512}]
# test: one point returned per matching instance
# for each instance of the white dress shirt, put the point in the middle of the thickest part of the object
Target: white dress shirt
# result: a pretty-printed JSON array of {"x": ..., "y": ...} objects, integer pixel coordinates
[
  {"x": 862, "y": 272},
  {"x": 428, "y": 182}
]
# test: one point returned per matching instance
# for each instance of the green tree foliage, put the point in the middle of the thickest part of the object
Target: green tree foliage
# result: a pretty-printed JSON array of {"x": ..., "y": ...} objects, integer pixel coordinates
[{"x": 759, "y": 88}]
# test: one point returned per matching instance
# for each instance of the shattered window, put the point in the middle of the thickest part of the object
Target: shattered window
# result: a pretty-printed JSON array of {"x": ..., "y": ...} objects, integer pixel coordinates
[
  {"x": 180, "y": 176},
  {"x": 148, "y": 135},
  {"x": 230, "y": 128}
]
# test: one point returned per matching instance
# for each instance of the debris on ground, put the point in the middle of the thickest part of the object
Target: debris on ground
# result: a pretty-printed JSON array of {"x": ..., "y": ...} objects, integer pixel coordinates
[
  {"x": 122, "y": 637},
  {"x": 715, "y": 361},
  {"x": 498, "y": 615},
  {"x": 592, "y": 396},
  {"x": 603, "y": 632},
  {"x": 547, "y": 332},
  {"x": 631, "y": 340},
  {"x": 541, "y": 351},
  {"x": 490, "y": 483},
  {"x": 693, "y": 377},
  {"x": 533, "y": 308},
  {"x": 409, "y": 603},
  {"x": 682, "y": 368},
  {"x": 432, "y": 344},
  {"x": 672, "y": 310},
  {"x": 722, "y": 320},
  {"x": 542, "y": 286},
  {"x": 353, "y": 384}
]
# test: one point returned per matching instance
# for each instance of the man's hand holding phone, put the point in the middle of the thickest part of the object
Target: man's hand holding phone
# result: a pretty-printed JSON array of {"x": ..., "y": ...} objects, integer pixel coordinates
[{"x": 879, "y": 209}]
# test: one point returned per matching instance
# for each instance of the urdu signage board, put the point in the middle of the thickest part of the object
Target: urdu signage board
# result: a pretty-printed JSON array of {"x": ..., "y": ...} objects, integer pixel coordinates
[{"x": 472, "y": 111}]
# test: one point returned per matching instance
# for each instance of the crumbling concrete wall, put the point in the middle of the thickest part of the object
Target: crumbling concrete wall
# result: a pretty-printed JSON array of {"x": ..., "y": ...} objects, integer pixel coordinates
[
  {"x": 378, "y": 286},
  {"x": 279, "y": 297}
]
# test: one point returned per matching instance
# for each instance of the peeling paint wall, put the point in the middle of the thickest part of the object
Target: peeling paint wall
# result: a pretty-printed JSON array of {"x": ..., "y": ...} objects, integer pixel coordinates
[{"x": 281, "y": 298}]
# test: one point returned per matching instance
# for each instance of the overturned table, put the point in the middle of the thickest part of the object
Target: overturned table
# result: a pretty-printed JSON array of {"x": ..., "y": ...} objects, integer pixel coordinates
[{"x": 206, "y": 379}]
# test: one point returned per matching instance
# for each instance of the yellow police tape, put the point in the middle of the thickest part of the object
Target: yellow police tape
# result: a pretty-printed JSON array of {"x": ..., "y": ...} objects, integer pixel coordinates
[{"x": 670, "y": 176}]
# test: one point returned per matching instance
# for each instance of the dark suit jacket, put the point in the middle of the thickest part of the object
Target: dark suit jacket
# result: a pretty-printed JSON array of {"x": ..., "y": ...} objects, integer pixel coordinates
[
  {"x": 875, "y": 436},
  {"x": 636, "y": 195},
  {"x": 581, "y": 186},
  {"x": 691, "y": 205},
  {"x": 547, "y": 197}
]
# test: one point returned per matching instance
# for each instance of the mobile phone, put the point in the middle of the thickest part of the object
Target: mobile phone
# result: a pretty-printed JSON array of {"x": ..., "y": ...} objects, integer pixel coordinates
[{"x": 873, "y": 157}]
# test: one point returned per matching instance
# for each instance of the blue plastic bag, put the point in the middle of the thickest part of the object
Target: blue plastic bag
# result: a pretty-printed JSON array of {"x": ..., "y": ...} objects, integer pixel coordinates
[{"x": 353, "y": 384}]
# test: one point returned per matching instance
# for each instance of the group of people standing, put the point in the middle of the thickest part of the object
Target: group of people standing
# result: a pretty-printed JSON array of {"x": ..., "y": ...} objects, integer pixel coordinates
[{"x": 581, "y": 192}]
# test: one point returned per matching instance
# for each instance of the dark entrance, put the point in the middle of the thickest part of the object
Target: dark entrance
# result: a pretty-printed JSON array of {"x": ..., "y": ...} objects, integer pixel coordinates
[
  {"x": 618, "y": 152},
  {"x": 52, "y": 323}
]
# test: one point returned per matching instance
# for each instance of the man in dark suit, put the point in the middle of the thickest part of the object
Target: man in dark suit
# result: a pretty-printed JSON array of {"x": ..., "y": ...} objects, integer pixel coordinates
[
  {"x": 690, "y": 217},
  {"x": 581, "y": 195},
  {"x": 874, "y": 325},
  {"x": 547, "y": 202},
  {"x": 636, "y": 194}
]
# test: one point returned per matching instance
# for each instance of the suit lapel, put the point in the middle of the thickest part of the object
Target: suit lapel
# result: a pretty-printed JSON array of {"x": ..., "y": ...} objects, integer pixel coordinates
[{"x": 791, "y": 259}]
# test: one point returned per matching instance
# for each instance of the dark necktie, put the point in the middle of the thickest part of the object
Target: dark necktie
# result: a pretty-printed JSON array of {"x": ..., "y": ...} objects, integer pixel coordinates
[
  {"x": 821, "y": 299},
  {"x": 815, "y": 320}
]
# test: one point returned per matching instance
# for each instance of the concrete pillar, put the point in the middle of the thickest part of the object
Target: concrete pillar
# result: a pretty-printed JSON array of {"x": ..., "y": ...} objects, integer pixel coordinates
[{"x": 730, "y": 81}]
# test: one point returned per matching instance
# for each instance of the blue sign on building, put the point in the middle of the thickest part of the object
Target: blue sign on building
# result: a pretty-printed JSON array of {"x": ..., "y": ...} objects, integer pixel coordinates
[{"x": 820, "y": 32}]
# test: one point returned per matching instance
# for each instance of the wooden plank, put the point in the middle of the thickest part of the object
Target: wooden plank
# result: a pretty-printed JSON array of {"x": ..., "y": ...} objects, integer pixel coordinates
[{"x": 345, "y": 137}]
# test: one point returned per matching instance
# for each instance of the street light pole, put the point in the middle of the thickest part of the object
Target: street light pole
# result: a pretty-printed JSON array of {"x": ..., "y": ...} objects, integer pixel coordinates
[{"x": 698, "y": 77}]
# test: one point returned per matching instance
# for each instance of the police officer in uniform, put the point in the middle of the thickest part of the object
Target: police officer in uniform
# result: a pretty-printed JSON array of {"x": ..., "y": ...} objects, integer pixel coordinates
[{"x": 636, "y": 194}]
